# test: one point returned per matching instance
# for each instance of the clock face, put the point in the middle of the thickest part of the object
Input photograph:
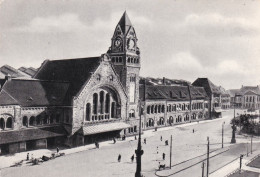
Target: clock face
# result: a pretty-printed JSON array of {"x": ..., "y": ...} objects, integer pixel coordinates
[
  {"x": 131, "y": 44},
  {"x": 118, "y": 42}
]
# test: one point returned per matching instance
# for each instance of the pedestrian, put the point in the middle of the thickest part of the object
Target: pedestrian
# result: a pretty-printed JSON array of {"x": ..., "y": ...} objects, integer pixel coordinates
[
  {"x": 135, "y": 137},
  {"x": 166, "y": 142},
  {"x": 119, "y": 158},
  {"x": 145, "y": 141},
  {"x": 161, "y": 138},
  {"x": 163, "y": 156},
  {"x": 132, "y": 158},
  {"x": 193, "y": 130},
  {"x": 58, "y": 150},
  {"x": 27, "y": 158},
  {"x": 114, "y": 140}
]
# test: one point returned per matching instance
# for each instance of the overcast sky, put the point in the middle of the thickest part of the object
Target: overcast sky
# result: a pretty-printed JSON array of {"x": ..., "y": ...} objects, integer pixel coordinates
[{"x": 178, "y": 39}]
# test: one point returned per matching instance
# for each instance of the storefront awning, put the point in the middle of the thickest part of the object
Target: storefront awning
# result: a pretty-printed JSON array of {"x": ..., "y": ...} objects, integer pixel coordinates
[{"x": 106, "y": 127}]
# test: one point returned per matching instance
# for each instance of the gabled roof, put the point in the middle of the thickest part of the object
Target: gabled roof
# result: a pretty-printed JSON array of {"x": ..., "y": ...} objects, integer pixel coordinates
[
  {"x": 209, "y": 87},
  {"x": 33, "y": 93},
  {"x": 125, "y": 23},
  {"x": 234, "y": 92},
  {"x": 74, "y": 71},
  {"x": 29, "y": 71},
  {"x": 8, "y": 70},
  {"x": 254, "y": 89},
  {"x": 171, "y": 93}
]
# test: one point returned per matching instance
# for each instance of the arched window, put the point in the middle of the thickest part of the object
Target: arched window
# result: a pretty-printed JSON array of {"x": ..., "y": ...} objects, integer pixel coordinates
[
  {"x": 159, "y": 109},
  {"x": 155, "y": 109},
  {"x": 2, "y": 123},
  {"x": 45, "y": 119},
  {"x": 132, "y": 113},
  {"x": 161, "y": 121},
  {"x": 174, "y": 107},
  {"x": 170, "y": 108},
  {"x": 152, "y": 109},
  {"x": 107, "y": 106},
  {"x": 101, "y": 100},
  {"x": 150, "y": 123},
  {"x": 148, "y": 109},
  {"x": 25, "y": 121},
  {"x": 163, "y": 108},
  {"x": 88, "y": 111},
  {"x": 194, "y": 116},
  {"x": 113, "y": 110},
  {"x": 51, "y": 119},
  {"x": 9, "y": 122},
  {"x": 95, "y": 103},
  {"x": 38, "y": 120},
  {"x": 32, "y": 121},
  {"x": 179, "y": 118},
  {"x": 171, "y": 120}
]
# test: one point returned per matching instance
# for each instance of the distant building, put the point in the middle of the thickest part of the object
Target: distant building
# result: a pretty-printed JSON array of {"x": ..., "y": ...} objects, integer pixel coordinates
[
  {"x": 225, "y": 98},
  {"x": 247, "y": 97},
  {"x": 214, "y": 95},
  {"x": 17, "y": 73}
]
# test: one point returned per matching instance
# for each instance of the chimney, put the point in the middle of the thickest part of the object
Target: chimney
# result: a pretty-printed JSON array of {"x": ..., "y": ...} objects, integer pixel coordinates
[
  {"x": 163, "y": 80},
  {"x": 8, "y": 77}
]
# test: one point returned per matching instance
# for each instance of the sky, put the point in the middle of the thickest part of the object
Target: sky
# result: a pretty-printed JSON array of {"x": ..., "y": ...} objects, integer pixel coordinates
[{"x": 178, "y": 39}]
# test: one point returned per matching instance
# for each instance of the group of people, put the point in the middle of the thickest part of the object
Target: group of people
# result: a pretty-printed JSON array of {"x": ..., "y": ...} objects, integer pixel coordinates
[{"x": 132, "y": 158}]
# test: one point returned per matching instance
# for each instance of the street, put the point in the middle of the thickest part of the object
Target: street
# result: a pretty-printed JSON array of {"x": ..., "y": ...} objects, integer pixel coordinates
[{"x": 186, "y": 145}]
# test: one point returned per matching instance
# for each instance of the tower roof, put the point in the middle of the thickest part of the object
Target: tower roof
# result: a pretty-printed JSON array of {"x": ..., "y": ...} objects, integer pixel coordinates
[{"x": 125, "y": 23}]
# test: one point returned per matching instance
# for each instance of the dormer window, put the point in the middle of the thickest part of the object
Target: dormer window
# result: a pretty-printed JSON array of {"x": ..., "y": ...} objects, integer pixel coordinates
[{"x": 98, "y": 77}]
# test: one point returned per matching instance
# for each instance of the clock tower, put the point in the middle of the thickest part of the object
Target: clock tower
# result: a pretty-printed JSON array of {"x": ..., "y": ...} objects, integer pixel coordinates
[{"x": 125, "y": 56}]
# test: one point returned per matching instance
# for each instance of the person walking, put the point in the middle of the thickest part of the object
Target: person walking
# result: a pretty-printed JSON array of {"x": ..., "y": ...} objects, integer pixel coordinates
[
  {"x": 27, "y": 158},
  {"x": 132, "y": 158},
  {"x": 145, "y": 141},
  {"x": 119, "y": 158},
  {"x": 114, "y": 140},
  {"x": 161, "y": 138},
  {"x": 163, "y": 156},
  {"x": 193, "y": 130},
  {"x": 58, "y": 150}
]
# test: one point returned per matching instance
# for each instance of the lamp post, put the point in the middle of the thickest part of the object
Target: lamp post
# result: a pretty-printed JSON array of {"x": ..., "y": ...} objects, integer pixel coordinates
[
  {"x": 223, "y": 134},
  {"x": 208, "y": 158},
  {"x": 139, "y": 152},
  {"x": 202, "y": 166}
]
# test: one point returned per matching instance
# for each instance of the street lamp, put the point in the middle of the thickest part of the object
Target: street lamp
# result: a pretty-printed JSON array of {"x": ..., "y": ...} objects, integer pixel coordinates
[
  {"x": 139, "y": 152},
  {"x": 223, "y": 134}
]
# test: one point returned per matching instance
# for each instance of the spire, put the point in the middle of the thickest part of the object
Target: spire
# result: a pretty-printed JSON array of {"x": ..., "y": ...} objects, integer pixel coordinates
[{"x": 125, "y": 23}]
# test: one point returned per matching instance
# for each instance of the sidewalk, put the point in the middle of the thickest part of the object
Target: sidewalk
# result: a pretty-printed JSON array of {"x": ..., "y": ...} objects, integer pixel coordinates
[{"x": 234, "y": 165}]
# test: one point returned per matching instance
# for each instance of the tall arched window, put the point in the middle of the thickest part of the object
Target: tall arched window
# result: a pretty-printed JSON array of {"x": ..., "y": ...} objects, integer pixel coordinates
[
  {"x": 170, "y": 108},
  {"x": 38, "y": 120},
  {"x": 95, "y": 103},
  {"x": 88, "y": 111},
  {"x": 171, "y": 120},
  {"x": 107, "y": 106},
  {"x": 155, "y": 109},
  {"x": 113, "y": 110},
  {"x": 152, "y": 109},
  {"x": 132, "y": 113},
  {"x": 2, "y": 123},
  {"x": 25, "y": 121},
  {"x": 101, "y": 100},
  {"x": 45, "y": 119},
  {"x": 32, "y": 121},
  {"x": 163, "y": 108},
  {"x": 148, "y": 109},
  {"x": 159, "y": 109},
  {"x": 9, "y": 122}
]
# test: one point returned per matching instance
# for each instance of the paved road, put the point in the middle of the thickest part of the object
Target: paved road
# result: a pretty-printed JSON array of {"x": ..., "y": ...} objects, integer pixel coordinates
[{"x": 103, "y": 162}]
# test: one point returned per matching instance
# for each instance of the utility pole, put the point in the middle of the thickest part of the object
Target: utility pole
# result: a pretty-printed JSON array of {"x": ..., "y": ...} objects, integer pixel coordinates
[
  {"x": 202, "y": 166},
  {"x": 251, "y": 144},
  {"x": 247, "y": 149},
  {"x": 171, "y": 153},
  {"x": 208, "y": 158},
  {"x": 223, "y": 134},
  {"x": 139, "y": 152}
]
